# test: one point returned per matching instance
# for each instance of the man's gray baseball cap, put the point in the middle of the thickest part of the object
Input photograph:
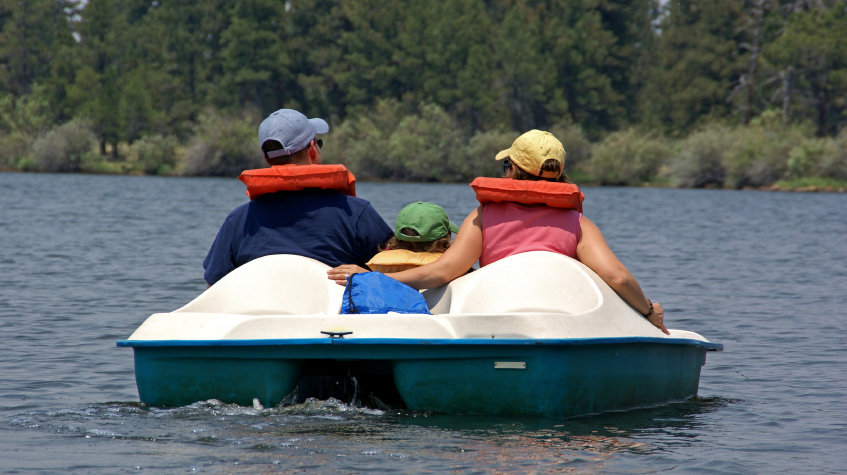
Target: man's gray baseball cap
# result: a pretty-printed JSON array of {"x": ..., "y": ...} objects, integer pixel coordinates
[{"x": 291, "y": 129}]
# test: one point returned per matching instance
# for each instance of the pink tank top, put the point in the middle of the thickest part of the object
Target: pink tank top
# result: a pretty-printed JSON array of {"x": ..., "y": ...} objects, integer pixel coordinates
[{"x": 512, "y": 228}]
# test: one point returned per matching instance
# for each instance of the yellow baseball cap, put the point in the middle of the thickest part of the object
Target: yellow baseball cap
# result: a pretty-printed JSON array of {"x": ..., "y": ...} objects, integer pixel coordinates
[{"x": 529, "y": 151}]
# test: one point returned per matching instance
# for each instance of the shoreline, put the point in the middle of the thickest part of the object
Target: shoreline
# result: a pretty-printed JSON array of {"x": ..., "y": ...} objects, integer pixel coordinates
[{"x": 776, "y": 187}]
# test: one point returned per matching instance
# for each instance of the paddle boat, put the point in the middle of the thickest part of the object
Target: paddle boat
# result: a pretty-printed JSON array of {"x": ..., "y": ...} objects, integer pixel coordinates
[{"x": 535, "y": 333}]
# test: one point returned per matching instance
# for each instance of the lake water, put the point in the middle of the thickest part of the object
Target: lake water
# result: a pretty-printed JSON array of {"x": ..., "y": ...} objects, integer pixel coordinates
[{"x": 85, "y": 259}]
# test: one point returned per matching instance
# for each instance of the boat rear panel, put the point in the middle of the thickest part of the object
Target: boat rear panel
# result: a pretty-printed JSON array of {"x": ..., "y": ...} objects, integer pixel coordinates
[{"x": 536, "y": 377}]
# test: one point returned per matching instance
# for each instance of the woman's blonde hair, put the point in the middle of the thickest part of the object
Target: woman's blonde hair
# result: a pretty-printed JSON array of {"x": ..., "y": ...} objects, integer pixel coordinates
[
  {"x": 550, "y": 165},
  {"x": 439, "y": 245}
]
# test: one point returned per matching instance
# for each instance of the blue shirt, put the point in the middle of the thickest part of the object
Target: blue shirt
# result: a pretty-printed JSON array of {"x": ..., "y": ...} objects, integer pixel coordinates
[{"x": 324, "y": 225}]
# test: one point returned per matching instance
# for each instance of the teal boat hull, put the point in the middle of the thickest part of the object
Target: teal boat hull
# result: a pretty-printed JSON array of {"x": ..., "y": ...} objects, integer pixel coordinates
[{"x": 550, "y": 378}]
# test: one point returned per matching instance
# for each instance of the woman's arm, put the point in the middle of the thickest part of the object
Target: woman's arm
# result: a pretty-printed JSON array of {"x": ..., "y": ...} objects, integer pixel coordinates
[
  {"x": 593, "y": 251},
  {"x": 455, "y": 262}
]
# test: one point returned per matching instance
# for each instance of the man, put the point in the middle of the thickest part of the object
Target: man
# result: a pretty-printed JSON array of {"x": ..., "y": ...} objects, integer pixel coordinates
[{"x": 324, "y": 225}]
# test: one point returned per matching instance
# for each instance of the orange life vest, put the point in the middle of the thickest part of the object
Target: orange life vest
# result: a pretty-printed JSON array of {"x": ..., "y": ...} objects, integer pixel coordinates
[
  {"x": 553, "y": 194},
  {"x": 298, "y": 177}
]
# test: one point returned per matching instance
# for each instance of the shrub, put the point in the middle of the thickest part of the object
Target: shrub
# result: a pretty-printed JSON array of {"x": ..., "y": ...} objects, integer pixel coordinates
[
  {"x": 476, "y": 157},
  {"x": 361, "y": 142},
  {"x": 699, "y": 158},
  {"x": 834, "y": 162},
  {"x": 426, "y": 145},
  {"x": 389, "y": 142},
  {"x": 22, "y": 118},
  {"x": 806, "y": 159},
  {"x": 65, "y": 148},
  {"x": 628, "y": 157},
  {"x": 13, "y": 149},
  {"x": 758, "y": 155},
  {"x": 577, "y": 146},
  {"x": 155, "y": 154},
  {"x": 223, "y": 146}
]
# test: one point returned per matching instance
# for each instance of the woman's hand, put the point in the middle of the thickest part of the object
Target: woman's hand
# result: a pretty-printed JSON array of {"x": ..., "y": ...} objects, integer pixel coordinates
[
  {"x": 658, "y": 317},
  {"x": 340, "y": 273}
]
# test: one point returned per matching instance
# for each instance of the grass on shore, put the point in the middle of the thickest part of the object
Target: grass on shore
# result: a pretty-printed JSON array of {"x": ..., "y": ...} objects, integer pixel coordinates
[{"x": 811, "y": 184}]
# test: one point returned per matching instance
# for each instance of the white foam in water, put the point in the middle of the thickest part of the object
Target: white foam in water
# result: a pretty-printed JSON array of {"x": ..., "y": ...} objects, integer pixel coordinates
[
  {"x": 103, "y": 433},
  {"x": 328, "y": 409}
]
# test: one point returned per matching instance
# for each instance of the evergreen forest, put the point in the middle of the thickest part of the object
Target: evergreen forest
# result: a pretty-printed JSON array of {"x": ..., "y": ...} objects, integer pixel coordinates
[{"x": 691, "y": 93}]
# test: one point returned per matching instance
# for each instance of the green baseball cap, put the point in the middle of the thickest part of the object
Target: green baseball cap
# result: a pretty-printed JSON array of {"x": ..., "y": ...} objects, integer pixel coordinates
[{"x": 428, "y": 219}]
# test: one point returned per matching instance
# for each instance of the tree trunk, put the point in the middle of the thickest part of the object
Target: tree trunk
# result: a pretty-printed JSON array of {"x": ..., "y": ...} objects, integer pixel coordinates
[
  {"x": 786, "y": 78},
  {"x": 822, "y": 99},
  {"x": 749, "y": 79}
]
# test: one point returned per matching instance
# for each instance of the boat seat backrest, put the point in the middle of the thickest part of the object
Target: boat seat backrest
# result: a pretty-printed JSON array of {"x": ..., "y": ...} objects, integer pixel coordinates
[
  {"x": 272, "y": 285},
  {"x": 535, "y": 281}
]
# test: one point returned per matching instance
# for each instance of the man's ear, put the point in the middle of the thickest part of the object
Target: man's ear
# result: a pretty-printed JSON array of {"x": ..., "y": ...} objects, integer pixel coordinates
[{"x": 313, "y": 153}]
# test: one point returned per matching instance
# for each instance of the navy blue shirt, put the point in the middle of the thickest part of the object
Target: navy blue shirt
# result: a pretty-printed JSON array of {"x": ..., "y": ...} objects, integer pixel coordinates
[{"x": 324, "y": 225}]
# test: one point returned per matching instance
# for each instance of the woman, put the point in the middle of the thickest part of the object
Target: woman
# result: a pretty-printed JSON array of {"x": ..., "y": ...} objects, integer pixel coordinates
[{"x": 496, "y": 230}]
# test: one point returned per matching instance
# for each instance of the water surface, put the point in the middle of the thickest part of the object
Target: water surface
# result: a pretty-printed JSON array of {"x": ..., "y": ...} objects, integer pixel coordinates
[{"x": 85, "y": 259}]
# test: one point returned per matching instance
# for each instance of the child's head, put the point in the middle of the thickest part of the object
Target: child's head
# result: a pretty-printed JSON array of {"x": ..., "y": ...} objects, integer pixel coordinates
[{"x": 422, "y": 227}]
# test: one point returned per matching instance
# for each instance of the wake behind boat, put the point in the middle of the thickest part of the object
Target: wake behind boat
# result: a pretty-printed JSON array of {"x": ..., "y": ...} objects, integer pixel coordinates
[{"x": 557, "y": 342}]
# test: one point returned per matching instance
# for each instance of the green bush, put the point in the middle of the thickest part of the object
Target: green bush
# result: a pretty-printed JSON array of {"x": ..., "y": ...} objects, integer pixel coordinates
[
  {"x": 361, "y": 142},
  {"x": 392, "y": 142},
  {"x": 14, "y": 148},
  {"x": 426, "y": 146},
  {"x": 834, "y": 162},
  {"x": 389, "y": 142},
  {"x": 758, "y": 155},
  {"x": 22, "y": 118},
  {"x": 577, "y": 146},
  {"x": 699, "y": 159},
  {"x": 476, "y": 157},
  {"x": 223, "y": 146},
  {"x": 806, "y": 159},
  {"x": 628, "y": 157},
  {"x": 822, "y": 158},
  {"x": 155, "y": 154},
  {"x": 65, "y": 148}
]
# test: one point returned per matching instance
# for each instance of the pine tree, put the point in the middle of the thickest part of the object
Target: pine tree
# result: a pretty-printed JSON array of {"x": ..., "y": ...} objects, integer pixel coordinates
[
  {"x": 595, "y": 48},
  {"x": 694, "y": 64},
  {"x": 31, "y": 33},
  {"x": 527, "y": 74},
  {"x": 255, "y": 63},
  {"x": 812, "y": 45}
]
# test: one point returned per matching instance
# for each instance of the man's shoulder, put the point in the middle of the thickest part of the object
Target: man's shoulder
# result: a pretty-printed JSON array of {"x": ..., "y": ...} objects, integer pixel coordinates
[
  {"x": 239, "y": 210},
  {"x": 359, "y": 202}
]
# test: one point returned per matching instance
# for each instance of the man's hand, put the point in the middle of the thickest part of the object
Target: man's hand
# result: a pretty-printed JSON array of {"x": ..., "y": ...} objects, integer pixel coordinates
[{"x": 340, "y": 273}]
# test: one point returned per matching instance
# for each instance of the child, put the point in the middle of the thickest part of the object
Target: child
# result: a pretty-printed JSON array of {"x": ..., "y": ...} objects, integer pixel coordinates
[{"x": 421, "y": 235}]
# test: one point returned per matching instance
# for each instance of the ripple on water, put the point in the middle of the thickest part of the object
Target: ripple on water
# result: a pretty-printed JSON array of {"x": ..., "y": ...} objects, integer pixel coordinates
[{"x": 762, "y": 273}]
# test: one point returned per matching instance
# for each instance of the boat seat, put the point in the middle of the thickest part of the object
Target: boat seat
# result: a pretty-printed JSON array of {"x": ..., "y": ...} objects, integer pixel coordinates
[
  {"x": 296, "y": 285},
  {"x": 272, "y": 285},
  {"x": 531, "y": 282}
]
